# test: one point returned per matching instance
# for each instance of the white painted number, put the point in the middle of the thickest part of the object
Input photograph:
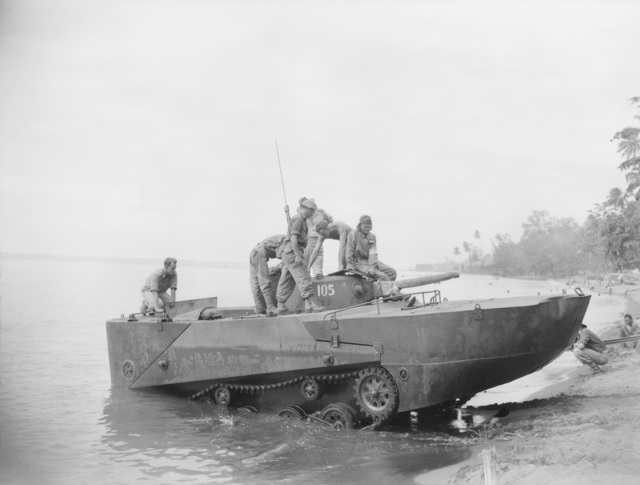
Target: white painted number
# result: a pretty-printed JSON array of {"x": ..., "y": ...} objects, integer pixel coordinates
[{"x": 326, "y": 290}]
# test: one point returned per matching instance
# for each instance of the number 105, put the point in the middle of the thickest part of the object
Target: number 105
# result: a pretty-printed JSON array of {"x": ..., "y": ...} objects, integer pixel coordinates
[{"x": 326, "y": 290}]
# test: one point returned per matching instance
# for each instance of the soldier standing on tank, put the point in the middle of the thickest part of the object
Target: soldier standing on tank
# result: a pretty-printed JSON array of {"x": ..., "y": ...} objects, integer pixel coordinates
[
  {"x": 337, "y": 230},
  {"x": 259, "y": 273},
  {"x": 313, "y": 238},
  {"x": 362, "y": 252},
  {"x": 294, "y": 264},
  {"x": 154, "y": 291}
]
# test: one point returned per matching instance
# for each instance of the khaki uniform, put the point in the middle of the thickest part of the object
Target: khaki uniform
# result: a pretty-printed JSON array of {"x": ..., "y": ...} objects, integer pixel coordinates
[
  {"x": 594, "y": 352},
  {"x": 259, "y": 272},
  {"x": 312, "y": 239},
  {"x": 294, "y": 274},
  {"x": 362, "y": 255},
  {"x": 158, "y": 281}
]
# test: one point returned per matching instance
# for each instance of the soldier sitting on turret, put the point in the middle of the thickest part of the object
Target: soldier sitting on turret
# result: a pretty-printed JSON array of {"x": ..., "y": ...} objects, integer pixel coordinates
[{"x": 362, "y": 252}]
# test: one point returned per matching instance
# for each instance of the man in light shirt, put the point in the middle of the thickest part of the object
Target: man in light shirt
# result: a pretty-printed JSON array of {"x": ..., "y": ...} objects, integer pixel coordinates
[
  {"x": 629, "y": 329},
  {"x": 154, "y": 291}
]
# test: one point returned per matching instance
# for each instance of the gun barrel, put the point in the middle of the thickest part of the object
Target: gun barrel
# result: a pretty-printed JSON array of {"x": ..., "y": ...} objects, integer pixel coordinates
[{"x": 425, "y": 280}]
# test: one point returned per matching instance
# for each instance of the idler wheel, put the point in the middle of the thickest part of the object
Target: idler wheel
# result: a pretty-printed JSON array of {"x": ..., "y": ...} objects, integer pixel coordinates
[
  {"x": 376, "y": 394},
  {"x": 339, "y": 416},
  {"x": 311, "y": 389},
  {"x": 349, "y": 410},
  {"x": 292, "y": 412},
  {"x": 222, "y": 395}
]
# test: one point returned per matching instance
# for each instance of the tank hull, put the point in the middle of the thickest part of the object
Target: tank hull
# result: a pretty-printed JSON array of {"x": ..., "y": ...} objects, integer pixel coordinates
[{"x": 427, "y": 355}]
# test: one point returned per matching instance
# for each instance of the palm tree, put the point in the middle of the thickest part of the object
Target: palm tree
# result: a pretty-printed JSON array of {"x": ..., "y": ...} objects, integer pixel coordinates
[
  {"x": 617, "y": 198},
  {"x": 629, "y": 148}
]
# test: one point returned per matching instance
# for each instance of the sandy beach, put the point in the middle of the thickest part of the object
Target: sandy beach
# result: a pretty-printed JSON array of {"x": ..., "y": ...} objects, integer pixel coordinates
[{"x": 585, "y": 434}]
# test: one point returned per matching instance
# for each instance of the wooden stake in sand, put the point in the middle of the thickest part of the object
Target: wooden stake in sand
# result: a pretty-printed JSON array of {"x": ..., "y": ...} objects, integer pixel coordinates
[{"x": 489, "y": 461}]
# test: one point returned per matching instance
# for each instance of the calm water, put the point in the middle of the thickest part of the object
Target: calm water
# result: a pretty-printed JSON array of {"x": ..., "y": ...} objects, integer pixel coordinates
[{"x": 60, "y": 422}]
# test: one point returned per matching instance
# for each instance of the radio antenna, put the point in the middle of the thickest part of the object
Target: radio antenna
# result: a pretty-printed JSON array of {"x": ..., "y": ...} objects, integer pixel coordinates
[{"x": 286, "y": 207}]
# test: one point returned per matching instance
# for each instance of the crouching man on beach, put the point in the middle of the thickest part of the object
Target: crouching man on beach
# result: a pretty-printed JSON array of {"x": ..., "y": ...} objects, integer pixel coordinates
[{"x": 590, "y": 350}]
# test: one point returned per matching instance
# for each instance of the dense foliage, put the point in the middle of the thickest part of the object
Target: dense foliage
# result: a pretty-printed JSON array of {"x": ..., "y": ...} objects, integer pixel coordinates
[
  {"x": 608, "y": 241},
  {"x": 549, "y": 247}
]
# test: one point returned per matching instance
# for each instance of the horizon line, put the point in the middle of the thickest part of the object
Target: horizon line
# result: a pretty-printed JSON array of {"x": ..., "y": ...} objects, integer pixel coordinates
[
  {"x": 140, "y": 260},
  {"x": 111, "y": 259}
]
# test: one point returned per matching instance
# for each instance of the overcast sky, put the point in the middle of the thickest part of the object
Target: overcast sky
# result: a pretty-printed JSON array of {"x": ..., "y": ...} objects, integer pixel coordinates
[{"x": 138, "y": 128}]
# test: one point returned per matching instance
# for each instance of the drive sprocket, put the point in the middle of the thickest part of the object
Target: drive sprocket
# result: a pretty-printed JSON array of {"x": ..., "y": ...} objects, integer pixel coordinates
[{"x": 376, "y": 394}]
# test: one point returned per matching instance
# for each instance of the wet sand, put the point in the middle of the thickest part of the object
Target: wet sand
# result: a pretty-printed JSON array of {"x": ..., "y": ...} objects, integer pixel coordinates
[{"x": 582, "y": 430}]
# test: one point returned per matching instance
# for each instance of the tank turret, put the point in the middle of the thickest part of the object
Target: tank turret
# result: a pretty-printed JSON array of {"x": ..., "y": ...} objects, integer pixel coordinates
[{"x": 346, "y": 289}]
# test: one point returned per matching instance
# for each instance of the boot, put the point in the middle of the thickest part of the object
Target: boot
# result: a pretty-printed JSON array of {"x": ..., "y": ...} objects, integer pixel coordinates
[
  {"x": 282, "y": 309},
  {"x": 311, "y": 306},
  {"x": 272, "y": 311}
]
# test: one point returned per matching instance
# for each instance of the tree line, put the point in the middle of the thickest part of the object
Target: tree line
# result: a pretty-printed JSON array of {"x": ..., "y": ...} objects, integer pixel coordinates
[{"x": 607, "y": 241}]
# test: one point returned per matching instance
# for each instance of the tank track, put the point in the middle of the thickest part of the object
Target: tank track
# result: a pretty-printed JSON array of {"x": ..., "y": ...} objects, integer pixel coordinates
[{"x": 260, "y": 388}]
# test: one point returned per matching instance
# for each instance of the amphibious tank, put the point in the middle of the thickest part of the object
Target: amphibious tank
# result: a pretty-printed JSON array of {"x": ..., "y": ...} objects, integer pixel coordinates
[{"x": 375, "y": 351}]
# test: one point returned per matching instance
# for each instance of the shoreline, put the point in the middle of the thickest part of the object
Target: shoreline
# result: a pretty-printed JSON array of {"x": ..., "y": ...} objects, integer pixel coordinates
[{"x": 578, "y": 431}]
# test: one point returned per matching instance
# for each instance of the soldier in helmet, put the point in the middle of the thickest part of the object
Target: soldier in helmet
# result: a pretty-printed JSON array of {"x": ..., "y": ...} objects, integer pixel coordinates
[
  {"x": 362, "y": 252},
  {"x": 294, "y": 263},
  {"x": 313, "y": 238}
]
